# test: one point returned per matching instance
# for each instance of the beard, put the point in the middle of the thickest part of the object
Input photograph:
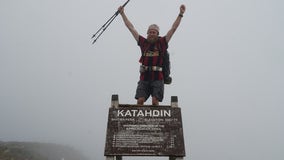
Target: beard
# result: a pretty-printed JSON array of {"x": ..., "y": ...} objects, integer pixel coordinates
[{"x": 152, "y": 39}]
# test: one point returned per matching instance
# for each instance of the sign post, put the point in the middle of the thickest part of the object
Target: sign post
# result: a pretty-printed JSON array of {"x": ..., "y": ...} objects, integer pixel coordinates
[{"x": 135, "y": 130}]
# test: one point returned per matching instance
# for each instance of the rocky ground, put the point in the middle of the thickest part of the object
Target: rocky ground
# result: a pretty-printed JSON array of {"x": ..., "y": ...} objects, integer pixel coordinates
[{"x": 37, "y": 151}]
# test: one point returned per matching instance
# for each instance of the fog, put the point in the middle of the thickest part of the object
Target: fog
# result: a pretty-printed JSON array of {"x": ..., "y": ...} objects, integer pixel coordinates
[{"x": 227, "y": 67}]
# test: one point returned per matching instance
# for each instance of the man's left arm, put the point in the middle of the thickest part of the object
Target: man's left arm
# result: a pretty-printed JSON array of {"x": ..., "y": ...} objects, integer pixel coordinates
[{"x": 175, "y": 24}]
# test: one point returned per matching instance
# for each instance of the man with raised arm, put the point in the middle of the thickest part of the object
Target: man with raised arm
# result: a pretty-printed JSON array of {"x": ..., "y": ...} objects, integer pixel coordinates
[{"x": 153, "y": 49}]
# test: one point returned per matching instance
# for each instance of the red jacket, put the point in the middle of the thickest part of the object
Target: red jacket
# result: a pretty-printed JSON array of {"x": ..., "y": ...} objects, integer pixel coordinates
[{"x": 152, "y": 57}]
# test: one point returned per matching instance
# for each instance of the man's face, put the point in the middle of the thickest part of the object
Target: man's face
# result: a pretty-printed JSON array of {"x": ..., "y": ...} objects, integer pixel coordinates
[{"x": 152, "y": 35}]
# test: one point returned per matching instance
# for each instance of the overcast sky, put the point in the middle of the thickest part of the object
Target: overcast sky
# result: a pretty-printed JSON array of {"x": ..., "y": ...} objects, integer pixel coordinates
[{"x": 227, "y": 61}]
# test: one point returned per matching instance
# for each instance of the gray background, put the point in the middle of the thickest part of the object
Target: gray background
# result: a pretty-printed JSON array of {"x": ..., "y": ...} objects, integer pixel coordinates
[{"x": 227, "y": 69}]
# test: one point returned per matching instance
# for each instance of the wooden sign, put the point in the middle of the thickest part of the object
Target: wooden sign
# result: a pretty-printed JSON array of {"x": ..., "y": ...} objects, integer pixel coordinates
[{"x": 144, "y": 130}]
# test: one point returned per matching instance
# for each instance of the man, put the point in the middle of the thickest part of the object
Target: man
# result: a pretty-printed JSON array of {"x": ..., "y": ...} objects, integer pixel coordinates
[{"x": 153, "y": 49}]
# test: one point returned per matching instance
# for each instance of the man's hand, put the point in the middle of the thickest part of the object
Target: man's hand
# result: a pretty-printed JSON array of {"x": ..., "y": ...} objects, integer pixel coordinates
[
  {"x": 182, "y": 9},
  {"x": 121, "y": 10}
]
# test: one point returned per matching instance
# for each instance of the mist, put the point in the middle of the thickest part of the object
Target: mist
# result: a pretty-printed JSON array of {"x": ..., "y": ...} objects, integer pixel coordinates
[{"x": 227, "y": 68}]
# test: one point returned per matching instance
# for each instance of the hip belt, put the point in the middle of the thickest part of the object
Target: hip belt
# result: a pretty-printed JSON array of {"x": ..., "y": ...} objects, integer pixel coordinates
[{"x": 150, "y": 68}]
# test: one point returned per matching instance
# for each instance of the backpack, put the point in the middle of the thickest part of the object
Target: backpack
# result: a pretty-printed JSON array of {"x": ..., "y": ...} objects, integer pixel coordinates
[{"x": 167, "y": 68}]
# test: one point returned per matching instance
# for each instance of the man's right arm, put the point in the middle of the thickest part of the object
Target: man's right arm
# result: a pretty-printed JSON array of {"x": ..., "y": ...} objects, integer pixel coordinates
[{"x": 128, "y": 24}]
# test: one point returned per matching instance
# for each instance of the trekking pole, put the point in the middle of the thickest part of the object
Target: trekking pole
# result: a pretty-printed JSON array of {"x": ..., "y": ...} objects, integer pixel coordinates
[{"x": 108, "y": 22}]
